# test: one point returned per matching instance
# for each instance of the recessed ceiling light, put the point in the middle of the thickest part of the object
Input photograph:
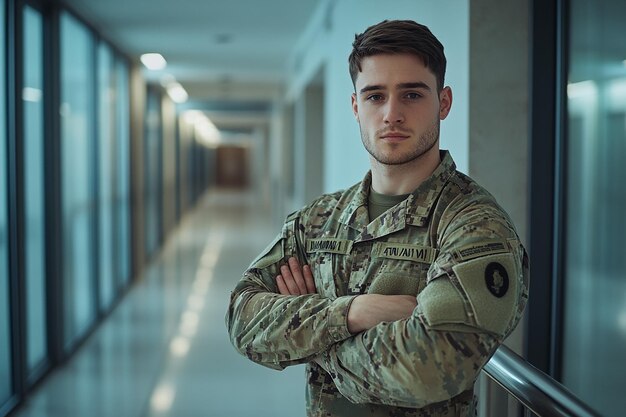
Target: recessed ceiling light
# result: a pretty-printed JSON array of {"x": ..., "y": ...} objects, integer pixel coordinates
[
  {"x": 153, "y": 61},
  {"x": 177, "y": 93}
]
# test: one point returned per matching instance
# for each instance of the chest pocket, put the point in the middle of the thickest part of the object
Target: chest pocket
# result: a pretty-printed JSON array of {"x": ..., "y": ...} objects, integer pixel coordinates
[
  {"x": 399, "y": 268},
  {"x": 325, "y": 257}
]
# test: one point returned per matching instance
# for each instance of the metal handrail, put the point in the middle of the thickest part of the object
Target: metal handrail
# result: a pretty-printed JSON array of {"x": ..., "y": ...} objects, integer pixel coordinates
[{"x": 534, "y": 389}]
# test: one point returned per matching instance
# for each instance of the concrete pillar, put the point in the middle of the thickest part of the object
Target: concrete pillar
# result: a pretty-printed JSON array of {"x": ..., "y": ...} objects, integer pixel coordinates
[{"x": 498, "y": 122}]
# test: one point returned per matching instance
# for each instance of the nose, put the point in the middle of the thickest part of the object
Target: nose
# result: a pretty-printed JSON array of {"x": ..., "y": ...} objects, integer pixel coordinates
[{"x": 393, "y": 112}]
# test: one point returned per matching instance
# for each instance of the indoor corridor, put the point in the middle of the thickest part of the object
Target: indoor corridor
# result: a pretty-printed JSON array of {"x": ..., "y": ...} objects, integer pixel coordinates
[
  {"x": 125, "y": 131},
  {"x": 164, "y": 350}
]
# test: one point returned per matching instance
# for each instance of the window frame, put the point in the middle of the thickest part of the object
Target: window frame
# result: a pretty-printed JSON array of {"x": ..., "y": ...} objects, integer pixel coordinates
[{"x": 548, "y": 112}]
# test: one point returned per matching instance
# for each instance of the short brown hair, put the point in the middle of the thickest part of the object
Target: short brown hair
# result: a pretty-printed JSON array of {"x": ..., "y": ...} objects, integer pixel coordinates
[{"x": 396, "y": 37}]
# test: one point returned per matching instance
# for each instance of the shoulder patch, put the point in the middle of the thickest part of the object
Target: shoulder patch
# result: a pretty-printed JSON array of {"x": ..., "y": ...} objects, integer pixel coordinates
[
  {"x": 497, "y": 279},
  {"x": 491, "y": 284}
]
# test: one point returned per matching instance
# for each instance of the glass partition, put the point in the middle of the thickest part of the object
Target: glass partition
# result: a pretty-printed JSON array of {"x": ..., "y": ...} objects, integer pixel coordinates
[
  {"x": 77, "y": 177},
  {"x": 34, "y": 223},
  {"x": 122, "y": 164},
  {"x": 6, "y": 371},
  {"x": 106, "y": 142},
  {"x": 595, "y": 259},
  {"x": 152, "y": 169}
]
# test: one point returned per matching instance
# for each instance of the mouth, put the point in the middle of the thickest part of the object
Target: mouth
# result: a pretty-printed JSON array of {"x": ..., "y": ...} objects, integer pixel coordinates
[{"x": 394, "y": 136}]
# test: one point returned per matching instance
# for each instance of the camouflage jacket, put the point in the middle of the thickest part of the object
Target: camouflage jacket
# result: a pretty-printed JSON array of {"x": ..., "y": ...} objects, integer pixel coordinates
[{"x": 449, "y": 244}]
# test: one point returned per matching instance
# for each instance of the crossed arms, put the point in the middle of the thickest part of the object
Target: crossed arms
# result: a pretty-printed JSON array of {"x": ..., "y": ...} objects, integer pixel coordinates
[
  {"x": 365, "y": 311},
  {"x": 377, "y": 348}
]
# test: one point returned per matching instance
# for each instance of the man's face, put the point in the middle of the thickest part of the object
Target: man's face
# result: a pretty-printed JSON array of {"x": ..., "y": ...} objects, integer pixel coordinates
[{"x": 398, "y": 108}]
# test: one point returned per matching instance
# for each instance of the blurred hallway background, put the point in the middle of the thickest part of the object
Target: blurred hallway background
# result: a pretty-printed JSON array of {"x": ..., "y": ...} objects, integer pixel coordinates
[{"x": 164, "y": 351}]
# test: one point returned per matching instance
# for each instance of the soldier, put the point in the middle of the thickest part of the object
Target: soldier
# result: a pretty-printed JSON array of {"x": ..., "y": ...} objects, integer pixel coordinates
[{"x": 396, "y": 291}]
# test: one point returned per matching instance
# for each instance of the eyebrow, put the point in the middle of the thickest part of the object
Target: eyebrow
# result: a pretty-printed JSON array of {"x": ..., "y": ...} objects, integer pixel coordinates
[{"x": 418, "y": 84}]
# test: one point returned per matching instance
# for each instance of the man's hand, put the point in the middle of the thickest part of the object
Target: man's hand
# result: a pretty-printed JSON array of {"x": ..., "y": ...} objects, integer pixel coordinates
[
  {"x": 294, "y": 280},
  {"x": 368, "y": 310}
]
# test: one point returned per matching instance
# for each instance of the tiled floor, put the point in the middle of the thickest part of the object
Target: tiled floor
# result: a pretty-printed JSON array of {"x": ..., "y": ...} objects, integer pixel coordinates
[{"x": 164, "y": 351}]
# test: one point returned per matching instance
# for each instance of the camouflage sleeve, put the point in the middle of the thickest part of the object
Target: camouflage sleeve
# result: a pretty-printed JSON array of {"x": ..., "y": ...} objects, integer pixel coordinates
[
  {"x": 474, "y": 297},
  {"x": 277, "y": 330}
]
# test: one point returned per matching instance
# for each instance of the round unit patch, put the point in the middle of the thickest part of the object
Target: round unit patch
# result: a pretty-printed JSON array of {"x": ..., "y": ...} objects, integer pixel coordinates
[{"x": 497, "y": 279}]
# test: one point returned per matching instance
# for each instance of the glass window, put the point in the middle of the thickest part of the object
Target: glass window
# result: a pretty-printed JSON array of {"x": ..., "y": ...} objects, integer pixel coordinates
[
  {"x": 595, "y": 289},
  {"x": 77, "y": 143},
  {"x": 5, "y": 336},
  {"x": 34, "y": 265},
  {"x": 122, "y": 158},
  {"x": 106, "y": 141},
  {"x": 152, "y": 160}
]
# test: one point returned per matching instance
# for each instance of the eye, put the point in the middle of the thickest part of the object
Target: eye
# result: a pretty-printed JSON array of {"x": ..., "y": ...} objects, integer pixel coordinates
[
  {"x": 413, "y": 96},
  {"x": 375, "y": 97}
]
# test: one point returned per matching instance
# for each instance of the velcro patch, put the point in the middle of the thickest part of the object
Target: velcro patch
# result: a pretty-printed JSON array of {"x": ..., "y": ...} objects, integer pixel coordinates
[
  {"x": 477, "y": 250},
  {"x": 442, "y": 304},
  {"x": 330, "y": 245},
  {"x": 491, "y": 285},
  {"x": 404, "y": 252},
  {"x": 394, "y": 283}
]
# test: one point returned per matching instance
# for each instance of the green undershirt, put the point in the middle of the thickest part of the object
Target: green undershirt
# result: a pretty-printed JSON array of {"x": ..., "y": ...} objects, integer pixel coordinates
[{"x": 377, "y": 203}]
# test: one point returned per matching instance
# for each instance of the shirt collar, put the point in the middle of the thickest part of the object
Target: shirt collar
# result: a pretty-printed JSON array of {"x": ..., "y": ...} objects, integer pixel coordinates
[
  {"x": 421, "y": 201},
  {"x": 355, "y": 214},
  {"x": 416, "y": 208}
]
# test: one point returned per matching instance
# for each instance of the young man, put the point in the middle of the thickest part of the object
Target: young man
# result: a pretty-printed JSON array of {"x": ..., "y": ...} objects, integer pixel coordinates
[{"x": 396, "y": 291}]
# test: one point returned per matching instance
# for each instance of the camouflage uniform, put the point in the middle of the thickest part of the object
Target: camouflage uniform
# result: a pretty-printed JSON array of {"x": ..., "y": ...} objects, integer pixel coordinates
[{"x": 449, "y": 243}]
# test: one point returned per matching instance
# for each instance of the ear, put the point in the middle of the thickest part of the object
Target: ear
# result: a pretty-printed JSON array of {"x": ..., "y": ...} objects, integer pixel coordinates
[
  {"x": 445, "y": 102},
  {"x": 355, "y": 107}
]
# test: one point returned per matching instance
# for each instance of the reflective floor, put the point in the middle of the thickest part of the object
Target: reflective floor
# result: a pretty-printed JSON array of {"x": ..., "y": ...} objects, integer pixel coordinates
[{"x": 164, "y": 351}]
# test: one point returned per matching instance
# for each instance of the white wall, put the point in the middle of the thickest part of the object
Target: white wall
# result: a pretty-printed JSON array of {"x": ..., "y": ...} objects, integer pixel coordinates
[
  {"x": 309, "y": 145},
  {"x": 259, "y": 171},
  {"x": 328, "y": 41}
]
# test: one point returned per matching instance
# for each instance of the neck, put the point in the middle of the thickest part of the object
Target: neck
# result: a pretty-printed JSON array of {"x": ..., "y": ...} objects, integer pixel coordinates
[{"x": 404, "y": 178}]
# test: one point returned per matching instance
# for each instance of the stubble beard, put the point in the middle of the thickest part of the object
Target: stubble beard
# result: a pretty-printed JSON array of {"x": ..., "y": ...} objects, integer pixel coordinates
[{"x": 425, "y": 143}]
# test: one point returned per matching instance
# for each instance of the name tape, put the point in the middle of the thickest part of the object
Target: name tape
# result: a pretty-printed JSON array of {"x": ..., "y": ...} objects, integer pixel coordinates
[
  {"x": 404, "y": 251},
  {"x": 331, "y": 245}
]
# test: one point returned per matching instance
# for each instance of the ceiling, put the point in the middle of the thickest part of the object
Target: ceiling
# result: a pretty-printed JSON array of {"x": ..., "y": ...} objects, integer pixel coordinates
[{"x": 219, "y": 51}]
